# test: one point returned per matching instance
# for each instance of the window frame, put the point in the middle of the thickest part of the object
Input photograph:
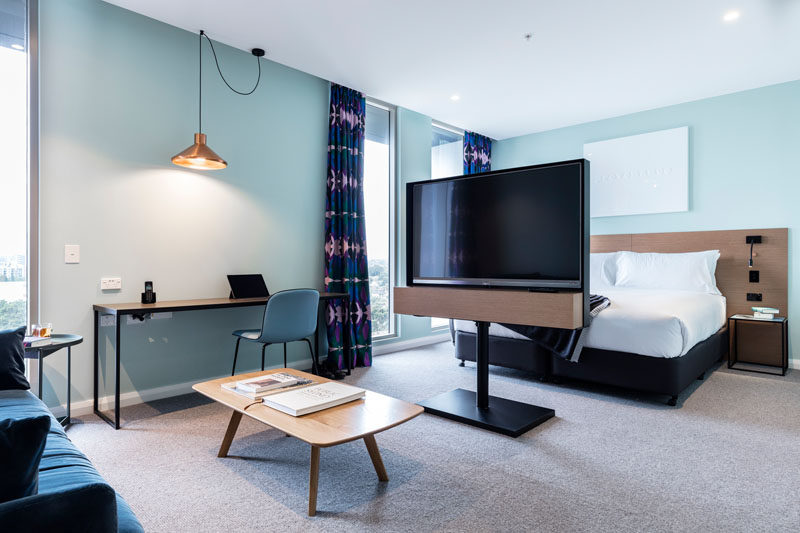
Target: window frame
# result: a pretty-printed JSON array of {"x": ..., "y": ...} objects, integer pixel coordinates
[
  {"x": 447, "y": 127},
  {"x": 460, "y": 132},
  {"x": 393, "y": 330},
  {"x": 32, "y": 260}
]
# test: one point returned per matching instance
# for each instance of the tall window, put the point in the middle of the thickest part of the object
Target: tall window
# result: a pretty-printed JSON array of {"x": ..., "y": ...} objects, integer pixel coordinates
[
  {"x": 447, "y": 147},
  {"x": 378, "y": 177},
  {"x": 14, "y": 155}
]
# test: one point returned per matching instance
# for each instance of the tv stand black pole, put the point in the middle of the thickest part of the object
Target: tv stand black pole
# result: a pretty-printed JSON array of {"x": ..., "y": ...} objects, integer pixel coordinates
[
  {"x": 481, "y": 410},
  {"x": 482, "y": 362}
]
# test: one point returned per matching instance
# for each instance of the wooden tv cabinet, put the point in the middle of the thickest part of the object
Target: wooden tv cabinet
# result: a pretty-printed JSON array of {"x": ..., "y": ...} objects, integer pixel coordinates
[
  {"x": 566, "y": 310},
  {"x": 513, "y": 306}
]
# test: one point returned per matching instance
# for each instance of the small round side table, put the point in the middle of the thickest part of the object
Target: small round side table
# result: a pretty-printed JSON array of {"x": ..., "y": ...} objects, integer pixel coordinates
[{"x": 59, "y": 340}]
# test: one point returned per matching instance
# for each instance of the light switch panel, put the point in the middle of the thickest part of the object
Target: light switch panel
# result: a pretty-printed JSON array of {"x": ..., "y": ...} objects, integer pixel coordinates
[{"x": 72, "y": 253}]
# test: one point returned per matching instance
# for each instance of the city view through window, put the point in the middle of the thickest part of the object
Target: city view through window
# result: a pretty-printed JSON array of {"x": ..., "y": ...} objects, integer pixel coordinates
[
  {"x": 377, "y": 207},
  {"x": 13, "y": 178}
]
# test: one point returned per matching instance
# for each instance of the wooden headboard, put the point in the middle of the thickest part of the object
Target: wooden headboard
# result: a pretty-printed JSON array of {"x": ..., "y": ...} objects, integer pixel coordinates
[{"x": 770, "y": 258}]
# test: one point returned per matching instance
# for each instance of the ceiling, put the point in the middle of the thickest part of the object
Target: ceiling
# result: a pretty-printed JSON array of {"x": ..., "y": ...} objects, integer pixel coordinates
[{"x": 586, "y": 59}]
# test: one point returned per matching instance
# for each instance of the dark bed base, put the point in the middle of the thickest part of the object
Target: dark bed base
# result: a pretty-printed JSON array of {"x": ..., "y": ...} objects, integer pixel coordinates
[{"x": 657, "y": 375}]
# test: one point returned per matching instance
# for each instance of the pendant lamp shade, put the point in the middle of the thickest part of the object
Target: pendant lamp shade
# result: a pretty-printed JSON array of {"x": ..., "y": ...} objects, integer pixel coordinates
[{"x": 199, "y": 156}]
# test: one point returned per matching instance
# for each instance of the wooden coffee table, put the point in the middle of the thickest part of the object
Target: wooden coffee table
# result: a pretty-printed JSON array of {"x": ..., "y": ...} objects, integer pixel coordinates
[{"x": 360, "y": 419}]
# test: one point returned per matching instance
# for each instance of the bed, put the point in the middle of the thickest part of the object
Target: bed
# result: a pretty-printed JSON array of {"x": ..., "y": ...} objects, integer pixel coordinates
[
  {"x": 653, "y": 338},
  {"x": 640, "y": 341}
]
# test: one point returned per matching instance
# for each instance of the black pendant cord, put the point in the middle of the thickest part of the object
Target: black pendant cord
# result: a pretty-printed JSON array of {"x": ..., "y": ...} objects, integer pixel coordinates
[
  {"x": 258, "y": 80},
  {"x": 200, "y": 82}
]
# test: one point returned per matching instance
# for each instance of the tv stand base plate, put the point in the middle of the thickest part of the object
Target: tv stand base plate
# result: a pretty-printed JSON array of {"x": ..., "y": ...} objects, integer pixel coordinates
[{"x": 501, "y": 416}]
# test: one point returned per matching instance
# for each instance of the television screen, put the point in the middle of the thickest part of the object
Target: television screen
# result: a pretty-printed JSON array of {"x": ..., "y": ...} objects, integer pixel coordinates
[{"x": 521, "y": 227}]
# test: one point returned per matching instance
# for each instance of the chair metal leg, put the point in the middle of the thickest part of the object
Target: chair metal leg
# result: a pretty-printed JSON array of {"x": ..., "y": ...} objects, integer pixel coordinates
[
  {"x": 314, "y": 367},
  {"x": 235, "y": 354},
  {"x": 284, "y": 356},
  {"x": 263, "y": 347}
]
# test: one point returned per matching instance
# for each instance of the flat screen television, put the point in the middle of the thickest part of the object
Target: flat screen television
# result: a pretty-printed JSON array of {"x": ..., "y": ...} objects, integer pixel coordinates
[{"x": 524, "y": 227}]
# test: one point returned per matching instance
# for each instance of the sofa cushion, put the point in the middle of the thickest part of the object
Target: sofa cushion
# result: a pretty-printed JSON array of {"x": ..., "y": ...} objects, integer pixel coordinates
[
  {"x": 86, "y": 509},
  {"x": 21, "y": 445},
  {"x": 12, "y": 364},
  {"x": 63, "y": 466}
]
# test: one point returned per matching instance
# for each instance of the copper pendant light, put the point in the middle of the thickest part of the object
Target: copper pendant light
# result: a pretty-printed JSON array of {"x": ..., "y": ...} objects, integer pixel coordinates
[{"x": 199, "y": 156}]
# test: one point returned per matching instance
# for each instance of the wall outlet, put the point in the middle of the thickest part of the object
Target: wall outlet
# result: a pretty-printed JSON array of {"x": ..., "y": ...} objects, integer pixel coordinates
[
  {"x": 753, "y": 296},
  {"x": 110, "y": 284},
  {"x": 72, "y": 253},
  {"x": 754, "y": 276},
  {"x": 107, "y": 321},
  {"x": 161, "y": 316}
]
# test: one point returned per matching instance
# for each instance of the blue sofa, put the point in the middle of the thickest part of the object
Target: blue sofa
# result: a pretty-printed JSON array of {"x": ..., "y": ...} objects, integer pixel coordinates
[{"x": 72, "y": 495}]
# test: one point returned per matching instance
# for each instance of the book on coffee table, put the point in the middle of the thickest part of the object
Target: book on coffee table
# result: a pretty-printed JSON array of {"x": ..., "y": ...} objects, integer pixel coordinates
[
  {"x": 265, "y": 383},
  {"x": 247, "y": 394},
  {"x": 233, "y": 386},
  {"x": 314, "y": 398}
]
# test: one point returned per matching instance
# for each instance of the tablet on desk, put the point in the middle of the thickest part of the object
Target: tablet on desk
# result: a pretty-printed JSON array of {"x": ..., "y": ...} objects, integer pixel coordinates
[{"x": 247, "y": 286}]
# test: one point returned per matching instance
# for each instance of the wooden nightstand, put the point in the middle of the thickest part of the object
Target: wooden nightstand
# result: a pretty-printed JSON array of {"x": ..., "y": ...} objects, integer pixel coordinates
[{"x": 757, "y": 343}]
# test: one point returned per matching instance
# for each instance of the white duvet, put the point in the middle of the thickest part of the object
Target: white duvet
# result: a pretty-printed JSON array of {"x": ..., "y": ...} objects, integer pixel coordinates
[{"x": 658, "y": 323}]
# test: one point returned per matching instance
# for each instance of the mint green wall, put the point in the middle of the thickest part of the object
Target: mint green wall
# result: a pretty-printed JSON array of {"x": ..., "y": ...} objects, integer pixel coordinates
[
  {"x": 118, "y": 99},
  {"x": 743, "y": 165}
]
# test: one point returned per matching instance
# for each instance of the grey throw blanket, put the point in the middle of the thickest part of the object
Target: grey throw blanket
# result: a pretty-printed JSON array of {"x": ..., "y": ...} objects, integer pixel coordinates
[{"x": 565, "y": 343}]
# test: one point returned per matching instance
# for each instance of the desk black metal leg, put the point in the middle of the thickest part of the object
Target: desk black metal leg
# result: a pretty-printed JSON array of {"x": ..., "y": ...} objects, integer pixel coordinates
[
  {"x": 348, "y": 320},
  {"x": 96, "y": 320},
  {"x": 118, "y": 350},
  {"x": 314, "y": 369},
  {"x": 315, "y": 351},
  {"x": 116, "y": 375}
]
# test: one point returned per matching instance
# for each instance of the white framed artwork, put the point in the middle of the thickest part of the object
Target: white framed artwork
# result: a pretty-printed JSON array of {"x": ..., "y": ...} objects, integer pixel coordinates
[{"x": 640, "y": 174}]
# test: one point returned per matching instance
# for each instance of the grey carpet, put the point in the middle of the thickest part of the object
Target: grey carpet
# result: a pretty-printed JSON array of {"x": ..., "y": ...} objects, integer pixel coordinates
[{"x": 726, "y": 460}]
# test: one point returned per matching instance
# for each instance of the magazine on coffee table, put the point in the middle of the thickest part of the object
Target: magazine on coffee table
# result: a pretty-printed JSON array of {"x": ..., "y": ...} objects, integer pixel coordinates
[
  {"x": 234, "y": 386},
  {"x": 314, "y": 398},
  {"x": 268, "y": 382}
]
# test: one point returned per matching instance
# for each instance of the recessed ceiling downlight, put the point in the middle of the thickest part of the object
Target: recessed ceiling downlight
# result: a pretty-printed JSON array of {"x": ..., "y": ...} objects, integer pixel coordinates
[
  {"x": 455, "y": 97},
  {"x": 731, "y": 16}
]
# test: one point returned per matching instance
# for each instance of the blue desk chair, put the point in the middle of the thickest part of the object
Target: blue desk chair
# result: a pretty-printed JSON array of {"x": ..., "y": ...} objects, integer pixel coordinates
[{"x": 289, "y": 316}]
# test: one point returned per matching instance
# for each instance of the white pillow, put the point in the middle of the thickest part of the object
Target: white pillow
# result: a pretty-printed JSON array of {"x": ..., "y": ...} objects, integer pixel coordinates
[
  {"x": 692, "y": 271},
  {"x": 602, "y": 270}
]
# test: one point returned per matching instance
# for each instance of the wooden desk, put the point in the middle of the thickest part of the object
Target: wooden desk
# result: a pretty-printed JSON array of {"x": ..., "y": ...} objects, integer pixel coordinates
[
  {"x": 140, "y": 309},
  {"x": 177, "y": 305}
]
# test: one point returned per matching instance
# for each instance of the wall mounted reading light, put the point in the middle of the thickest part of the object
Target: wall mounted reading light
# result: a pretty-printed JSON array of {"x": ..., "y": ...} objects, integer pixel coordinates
[
  {"x": 199, "y": 156},
  {"x": 751, "y": 240}
]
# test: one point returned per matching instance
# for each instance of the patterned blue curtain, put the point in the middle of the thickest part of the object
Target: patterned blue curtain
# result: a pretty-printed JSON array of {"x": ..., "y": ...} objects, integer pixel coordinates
[
  {"x": 477, "y": 153},
  {"x": 345, "y": 232}
]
